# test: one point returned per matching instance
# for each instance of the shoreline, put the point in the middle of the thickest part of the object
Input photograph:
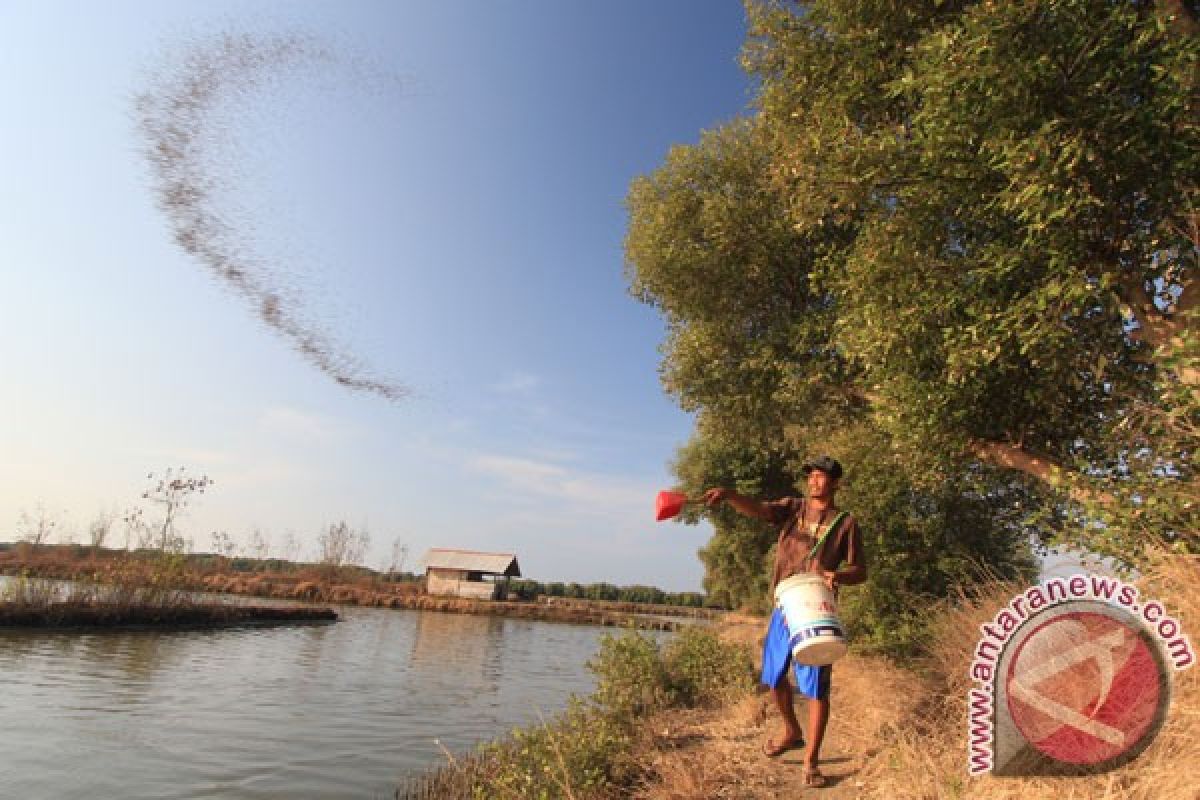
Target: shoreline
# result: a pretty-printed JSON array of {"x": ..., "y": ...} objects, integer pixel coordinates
[
  {"x": 898, "y": 730},
  {"x": 74, "y": 616},
  {"x": 309, "y": 586}
]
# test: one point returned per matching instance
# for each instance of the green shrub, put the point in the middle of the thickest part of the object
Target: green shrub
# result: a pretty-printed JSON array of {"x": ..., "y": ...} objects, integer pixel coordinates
[
  {"x": 704, "y": 671},
  {"x": 631, "y": 677},
  {"x": 586, "y": 752},
  {"x": 582, "y": 753}
]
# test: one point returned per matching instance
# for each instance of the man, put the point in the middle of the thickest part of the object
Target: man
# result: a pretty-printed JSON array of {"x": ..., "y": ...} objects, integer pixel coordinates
[{"x": 814, "y": 538}]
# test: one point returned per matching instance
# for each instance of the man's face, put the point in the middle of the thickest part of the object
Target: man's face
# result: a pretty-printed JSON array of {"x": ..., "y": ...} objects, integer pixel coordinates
[{"x": 820, "y": 484}]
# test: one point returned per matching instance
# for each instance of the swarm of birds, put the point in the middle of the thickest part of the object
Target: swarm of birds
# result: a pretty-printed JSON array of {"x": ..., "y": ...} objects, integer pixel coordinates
[{"x": 177, "y": 115}]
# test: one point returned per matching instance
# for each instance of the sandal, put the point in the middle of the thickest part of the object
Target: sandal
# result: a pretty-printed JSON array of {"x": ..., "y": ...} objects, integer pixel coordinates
[
  {"x": 773, "y": 749},
  {"x": 813, "y": 777}
]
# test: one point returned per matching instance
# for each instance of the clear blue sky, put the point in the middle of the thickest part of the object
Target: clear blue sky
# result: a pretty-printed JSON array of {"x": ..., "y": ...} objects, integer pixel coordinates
[{"x": 459, "y": 231}]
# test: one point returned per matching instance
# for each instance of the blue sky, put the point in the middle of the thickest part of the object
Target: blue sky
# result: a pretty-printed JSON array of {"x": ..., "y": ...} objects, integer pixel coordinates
[{"x": 456, "y": 224}]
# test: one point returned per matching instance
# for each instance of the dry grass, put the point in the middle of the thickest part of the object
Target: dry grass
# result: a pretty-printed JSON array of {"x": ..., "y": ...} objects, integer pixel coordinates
[
  {"x": 927, "y": 759},
  {"x": 901, "y": 733},
  {"x": 36, "y": 603},
  {"x": 138, "y": 572},
  {"x": 696, "y": 755},
  {"x": 29, "y": 594},
  {"x": 898, "y": 733}
]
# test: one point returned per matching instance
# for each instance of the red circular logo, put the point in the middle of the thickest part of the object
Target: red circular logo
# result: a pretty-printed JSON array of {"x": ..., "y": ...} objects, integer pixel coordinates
[{"x": 1085, "y": 688}]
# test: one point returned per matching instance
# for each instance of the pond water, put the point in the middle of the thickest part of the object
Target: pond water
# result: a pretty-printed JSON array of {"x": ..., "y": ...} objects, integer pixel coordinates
[{"x": 329, "y": 711}]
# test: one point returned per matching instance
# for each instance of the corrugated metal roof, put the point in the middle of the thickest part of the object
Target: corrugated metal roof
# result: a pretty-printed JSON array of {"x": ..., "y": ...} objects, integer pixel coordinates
[{"x": 472, "y": 561}]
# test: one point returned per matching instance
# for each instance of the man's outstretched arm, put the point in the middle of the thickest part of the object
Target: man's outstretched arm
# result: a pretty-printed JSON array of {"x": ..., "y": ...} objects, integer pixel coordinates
[{"x": 746, "y": 506}]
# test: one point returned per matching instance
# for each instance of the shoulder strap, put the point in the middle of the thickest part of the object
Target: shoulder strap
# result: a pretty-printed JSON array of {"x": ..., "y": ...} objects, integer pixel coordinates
[{"x": 833, "y": 526}]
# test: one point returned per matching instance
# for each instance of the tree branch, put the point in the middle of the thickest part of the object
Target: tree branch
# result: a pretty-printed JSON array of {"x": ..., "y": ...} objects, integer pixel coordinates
[
  {"x": 1155, "y": 327},
  {"x": 1013, "y": 456}
]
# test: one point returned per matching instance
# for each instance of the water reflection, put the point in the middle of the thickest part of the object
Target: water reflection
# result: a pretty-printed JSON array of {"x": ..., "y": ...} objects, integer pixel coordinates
[
  {"x": 327, "y": 711},
  {"x": 467, "y": 645}
]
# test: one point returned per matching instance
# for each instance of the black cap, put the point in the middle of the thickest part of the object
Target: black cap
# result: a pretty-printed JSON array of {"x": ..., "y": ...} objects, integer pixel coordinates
[{"x": 829, "y": 466}]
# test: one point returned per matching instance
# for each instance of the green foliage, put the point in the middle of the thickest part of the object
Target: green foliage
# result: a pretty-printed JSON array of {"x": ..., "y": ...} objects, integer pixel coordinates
[
  {"x": 1020, "y": 181},
  {"x": 582, "y": 753},
  {"x": 948, "y": 230},
  {"x": 634, "y": 675},
  {"x": 736, "y": 559},
  {"x": 702, "y": 670},
  {"x": 923, "y": 542},
  {"x": 630, "y": 675},
  {"x": 710, "y": 245},
  {"x": 587, "y": 752},
  {"x": 1149, "y": 494},
  {"x": 530, "y": 590}
]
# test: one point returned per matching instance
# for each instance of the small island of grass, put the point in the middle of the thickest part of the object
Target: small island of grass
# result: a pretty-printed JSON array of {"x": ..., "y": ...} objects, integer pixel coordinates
[{"x": 41, "y": 604}]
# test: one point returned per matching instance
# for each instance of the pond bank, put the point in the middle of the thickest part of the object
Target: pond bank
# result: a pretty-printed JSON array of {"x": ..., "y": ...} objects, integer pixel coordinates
[
  {"x": 340, "y": 586},
  {"x": 897, "y": 731},
  {"x": 119, "y": 616}
]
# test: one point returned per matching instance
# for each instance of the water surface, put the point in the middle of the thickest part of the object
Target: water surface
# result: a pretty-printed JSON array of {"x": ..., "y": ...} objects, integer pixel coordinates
[{"x": 329, "y": 711}]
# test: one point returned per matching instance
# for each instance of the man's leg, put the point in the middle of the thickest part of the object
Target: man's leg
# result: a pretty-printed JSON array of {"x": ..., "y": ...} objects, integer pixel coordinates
[
  {"x": 787, "y": 710},
  {"x": 818, "y": 718},
  {"x": 777, "y": 659}
]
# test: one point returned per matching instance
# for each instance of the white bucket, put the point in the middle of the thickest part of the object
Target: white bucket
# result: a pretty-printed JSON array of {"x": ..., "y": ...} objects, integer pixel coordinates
[{"x": 816, "y": 637}]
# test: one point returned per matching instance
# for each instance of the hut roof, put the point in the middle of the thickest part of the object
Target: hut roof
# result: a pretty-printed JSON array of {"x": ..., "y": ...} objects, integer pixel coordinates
[{"x": 473, "y": 561}]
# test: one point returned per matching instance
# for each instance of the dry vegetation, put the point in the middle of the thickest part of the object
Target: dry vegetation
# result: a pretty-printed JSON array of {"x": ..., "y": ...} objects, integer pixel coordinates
[
  {"x": 898, "y": 733},
  {"x": 927, "y": 758},
  {"x": 27, "y": 602},
  {"x": 717, "y": 753},
  {"x": 895, "y": 732},
  {"x": 314, "y": 583}
]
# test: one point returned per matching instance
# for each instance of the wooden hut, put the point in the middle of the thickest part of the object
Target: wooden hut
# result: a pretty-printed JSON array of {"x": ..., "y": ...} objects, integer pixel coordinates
[{"x": 466, "y": 573}]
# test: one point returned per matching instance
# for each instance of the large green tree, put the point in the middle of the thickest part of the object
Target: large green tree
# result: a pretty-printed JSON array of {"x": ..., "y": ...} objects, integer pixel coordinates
[
  {"x": 749, "y": 348},
  {"x": 955, "y": 244},
  {"x": 1020, "y": 178}
]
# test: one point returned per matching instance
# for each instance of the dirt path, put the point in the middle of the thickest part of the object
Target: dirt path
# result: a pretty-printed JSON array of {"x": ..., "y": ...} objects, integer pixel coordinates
[{"x": 717, "y": 753}]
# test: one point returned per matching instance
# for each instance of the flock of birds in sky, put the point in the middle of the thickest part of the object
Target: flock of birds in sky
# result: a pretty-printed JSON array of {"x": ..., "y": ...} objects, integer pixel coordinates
[{"x": 187, "y": 116}]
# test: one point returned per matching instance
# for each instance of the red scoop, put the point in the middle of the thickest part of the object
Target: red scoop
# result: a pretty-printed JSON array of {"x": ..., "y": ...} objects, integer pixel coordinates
[{"x": 668, "y": 504}]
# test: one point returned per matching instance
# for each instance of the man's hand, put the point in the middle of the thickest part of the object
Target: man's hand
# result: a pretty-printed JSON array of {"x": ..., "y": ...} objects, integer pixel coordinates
[
  {"x": 714, "y": 497},
  {"x": 831, "y": 579}
]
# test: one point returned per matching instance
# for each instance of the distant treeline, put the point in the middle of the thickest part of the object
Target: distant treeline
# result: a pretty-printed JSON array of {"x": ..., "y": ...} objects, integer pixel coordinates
[
  {"x": 529, "y": 590},
  {"x": 206, "y": 562}
]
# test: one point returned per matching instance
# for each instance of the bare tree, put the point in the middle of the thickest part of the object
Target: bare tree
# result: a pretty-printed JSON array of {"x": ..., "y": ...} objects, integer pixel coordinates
[
  {"x": 340, "y": 545},
  {"x": 223, "y": 544},
  {"x": 132, "y": 520},
  {"x": 38, "y": 527},
  {"x": 290, "y": 549},
  {"x": 359, "y": 543},
  {"x": 100, "y": 528},
  {"x": 399, "y": 556},
  {"x": 333, "y": 544},
  {"x": 171, "y": 494},
  {"x": 260, "y": 544}
]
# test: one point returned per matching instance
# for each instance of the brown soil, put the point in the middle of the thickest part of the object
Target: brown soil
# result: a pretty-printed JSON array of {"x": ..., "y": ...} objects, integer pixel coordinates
[
  {"x": 716, "y": 753},
  {"x": 895, "y": 735}
]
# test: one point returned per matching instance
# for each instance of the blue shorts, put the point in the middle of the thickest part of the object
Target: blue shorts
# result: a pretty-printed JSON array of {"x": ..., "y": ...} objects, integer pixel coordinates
[{"x": 810, "y": 681}]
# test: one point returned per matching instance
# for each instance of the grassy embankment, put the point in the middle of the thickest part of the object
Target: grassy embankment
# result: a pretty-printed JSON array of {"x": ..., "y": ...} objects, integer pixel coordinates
[
  {"x": 684, "y": 724},
  {"x": 592, "y": 750},
  {"x": 312, "y": 583},
  {"x": 42, "y": 603}
]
